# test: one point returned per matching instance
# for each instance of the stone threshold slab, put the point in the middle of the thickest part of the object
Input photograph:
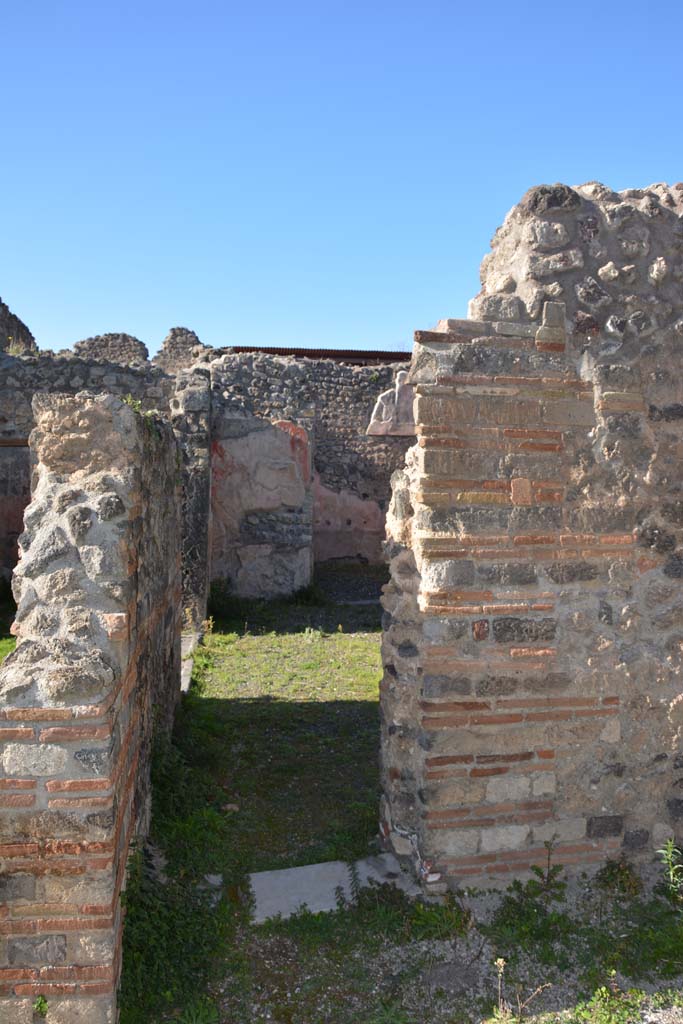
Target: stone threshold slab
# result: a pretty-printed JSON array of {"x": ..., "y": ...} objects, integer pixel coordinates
[{"x": 286, "y": 891}]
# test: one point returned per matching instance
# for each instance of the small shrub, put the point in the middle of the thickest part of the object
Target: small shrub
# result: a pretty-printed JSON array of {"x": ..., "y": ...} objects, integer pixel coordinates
[
  {"x": 441, "y": 921},
  {"x": 619, "y": 878},
  {"x": 40, "y": 1007},
  {"x": 204, "y": 1011},
  {"x": 673, "y": 864},
  {"x": 610, "y": 1005}
]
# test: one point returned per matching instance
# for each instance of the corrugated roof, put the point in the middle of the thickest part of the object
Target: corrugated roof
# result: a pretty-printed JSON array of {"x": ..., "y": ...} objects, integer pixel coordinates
[{"x": 339, "y": 355}]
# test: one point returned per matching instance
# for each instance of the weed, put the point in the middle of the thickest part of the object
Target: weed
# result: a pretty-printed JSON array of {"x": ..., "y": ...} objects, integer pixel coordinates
[
  {"x": 526, "y": 915},
  {"x": 673, "y": 863},
  {"x": 15, "y": 348},
  {"x": 172, "y": 933},
  {"x": 134, "y": 403},
  {"x": 610, "y": 1005},
  {"x": 389, "y": 1013},
  {"x": 203, "y": 1011},
  {"x": 441, "y": 921},
  {"x": 40, "y": 1006},
  {"x": 546, "y": 885},
  {"x": 149, "y": 418},
  {"x": 618, "y": 878},
  {"x": 7, "y": 611}
]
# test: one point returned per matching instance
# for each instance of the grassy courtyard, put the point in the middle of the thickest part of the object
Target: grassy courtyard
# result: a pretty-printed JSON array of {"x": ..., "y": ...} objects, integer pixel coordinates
[{"x": 274, "y": 763}]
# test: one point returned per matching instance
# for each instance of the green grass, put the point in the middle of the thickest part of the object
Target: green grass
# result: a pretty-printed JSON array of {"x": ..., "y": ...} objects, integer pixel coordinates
[
  {"x": 274, "y": 763},
  {"x": 7, "y": 609}
]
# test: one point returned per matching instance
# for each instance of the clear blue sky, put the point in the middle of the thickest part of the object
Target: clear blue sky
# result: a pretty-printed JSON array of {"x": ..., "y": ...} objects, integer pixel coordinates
[{"x": 305, "y": 173}]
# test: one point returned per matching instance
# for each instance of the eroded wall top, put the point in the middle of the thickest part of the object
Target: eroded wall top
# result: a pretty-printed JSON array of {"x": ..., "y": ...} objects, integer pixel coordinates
[
  {"x": 614, "y": 258},
  {"x": 14, "y": 335}
]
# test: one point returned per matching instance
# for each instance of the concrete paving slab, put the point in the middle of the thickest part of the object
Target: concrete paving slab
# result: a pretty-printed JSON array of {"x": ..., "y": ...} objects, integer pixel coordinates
[
  {"x": 316, "y": 885},
  {"x": 188, "y": 643}
]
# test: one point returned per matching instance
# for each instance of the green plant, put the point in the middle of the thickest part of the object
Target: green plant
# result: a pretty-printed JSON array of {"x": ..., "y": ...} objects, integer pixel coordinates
[
  {"x": 609, "y": 1005},
  {"x": 441, "y": 921},
  {"x": 618, "y": 877},
  {"x": 503, "y": 1010},
  {"x": 134, "y": 403},
  {"x": 173, "y": 933},
  {"x": 673, "y": 863},
  {"x": 389, "y": 1013},
  {"x": 40, "y": 1006},
  {"x": 203, "y": 1011},
  {"x": 546, "y": 885},
  {"x": 149, "y": 419}
]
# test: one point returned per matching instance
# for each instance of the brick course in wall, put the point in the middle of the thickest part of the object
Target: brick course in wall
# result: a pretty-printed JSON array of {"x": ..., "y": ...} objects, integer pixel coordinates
[
  {"x": 95, "y": 675},
  {"x": 532, "y": 642}
]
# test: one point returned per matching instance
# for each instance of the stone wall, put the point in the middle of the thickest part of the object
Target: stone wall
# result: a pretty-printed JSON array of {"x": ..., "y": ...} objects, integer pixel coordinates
[
  {"x": 122, "y": 349},
  {"x": 334, "y": 403},
  {"x": 534, "y": 622},
  {"x": 38, "y": 373},
  {"x": 185, "y": 398},
  {"x": 95, "y": 674},
  {"x": 329, "y": 403},
  {"x": 191, "y": 421},
  {"x": 14, "y": 335},
  {"x": 262, "y": 530},
  {"x": 14, "y": 497}
]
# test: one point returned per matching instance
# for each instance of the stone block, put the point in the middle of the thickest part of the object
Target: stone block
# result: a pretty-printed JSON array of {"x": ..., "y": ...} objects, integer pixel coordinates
[
  {"x": 504, "y": 837},
  {"x": 600, "y": 826},
  {"x": 504, "y": 788},
  {"x": 16, "y": 1011},
  {"x": 29, "y": 951},
  {"x": 81, "y": 1011},
  {"x": 30, "y": 759}
]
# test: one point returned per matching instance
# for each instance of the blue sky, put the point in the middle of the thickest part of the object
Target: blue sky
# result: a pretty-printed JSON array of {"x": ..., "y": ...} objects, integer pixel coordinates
[{"x": 317, "y": 174}]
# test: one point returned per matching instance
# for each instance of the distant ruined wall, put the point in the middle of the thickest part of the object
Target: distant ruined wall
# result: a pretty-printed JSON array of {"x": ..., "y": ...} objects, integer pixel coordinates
[
  {"x": 262, "y": 530},
  {"x": 191, "y": 421},
  {"x": 95, "y": 675},
  {"x": 185, "y": 399},
  {"x": 22, "y": 378},
  {"x": 534, "y": 622},
  {"x": 334, "y": 403},
  {"x": 123, "y": 349},
  {"x": 200, "y": 389},
  {"x": 14, "y": 335}
]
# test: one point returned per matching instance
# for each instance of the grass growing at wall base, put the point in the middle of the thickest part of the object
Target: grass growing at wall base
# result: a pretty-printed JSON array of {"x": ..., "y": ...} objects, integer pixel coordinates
[
  {"x": 7, "y": 610},
  {"x": 274, "y": 763}
]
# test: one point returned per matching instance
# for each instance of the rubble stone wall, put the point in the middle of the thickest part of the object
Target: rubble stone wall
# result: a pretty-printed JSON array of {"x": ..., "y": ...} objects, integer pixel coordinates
[
  {"x": 201, "y": 390},
  {"x": 262, "y": 502},
  {"x": 96, "y": 673},
  {"x": 185, "y": 399},
  {"x": 15, "y": 482},
  {"x": 334, "y": 403},
  {"x": 14, "y": 335},
  {"x": 534, "y": 622}
]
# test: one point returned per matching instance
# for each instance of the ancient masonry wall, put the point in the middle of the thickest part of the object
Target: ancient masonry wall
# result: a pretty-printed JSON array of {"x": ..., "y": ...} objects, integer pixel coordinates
[
  {"x": 262, "y": 506},
  {"x": 333, "y": 402},
  {"x": 534, "y": 622},
  {"x": 95, "y": 675},
  {"x": 337, "y": 509},
  {"x": 20, "y": 380}
]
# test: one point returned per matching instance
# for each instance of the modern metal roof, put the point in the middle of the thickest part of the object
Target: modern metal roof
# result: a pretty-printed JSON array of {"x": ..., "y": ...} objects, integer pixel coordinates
[{"x": 360, "y": 357}]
